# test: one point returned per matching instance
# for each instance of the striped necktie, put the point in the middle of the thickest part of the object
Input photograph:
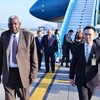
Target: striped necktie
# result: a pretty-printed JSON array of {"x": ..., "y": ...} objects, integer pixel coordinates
[{"x": 87, "y": 53}]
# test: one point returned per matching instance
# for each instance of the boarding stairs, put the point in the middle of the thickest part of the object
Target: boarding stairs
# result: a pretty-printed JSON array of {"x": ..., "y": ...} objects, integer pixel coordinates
[{"x": 79, "y": 14}]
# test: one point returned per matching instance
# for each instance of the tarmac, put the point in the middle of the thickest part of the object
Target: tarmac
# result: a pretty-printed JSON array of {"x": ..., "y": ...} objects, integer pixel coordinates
[{"x": 52, "y": 86}]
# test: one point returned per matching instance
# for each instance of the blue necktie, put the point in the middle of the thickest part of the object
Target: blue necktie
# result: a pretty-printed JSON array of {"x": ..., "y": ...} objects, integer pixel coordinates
[
  {"x": 39, "y": 39},
  {"x": 14, "y": 49}
]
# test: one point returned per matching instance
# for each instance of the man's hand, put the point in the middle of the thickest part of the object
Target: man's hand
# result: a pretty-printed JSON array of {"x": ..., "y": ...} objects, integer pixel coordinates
[
  {"x": 99, "y": 86},
  {"x": 72, "y": 82},
  {"x": 41, "y": 51},
  {"x": 31, "y": 81}
]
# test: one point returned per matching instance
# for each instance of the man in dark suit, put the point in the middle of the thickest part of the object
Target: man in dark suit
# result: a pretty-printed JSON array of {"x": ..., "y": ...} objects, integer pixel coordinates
[
  {"x": 18, "y": 60},
  {"x": 84, "y": 67},
  {"x": 38, "y": 39},
  {"x": 49, "y": 43},
  {"x": 66, "y": 47},
  {"x": 97, "y": 41}
]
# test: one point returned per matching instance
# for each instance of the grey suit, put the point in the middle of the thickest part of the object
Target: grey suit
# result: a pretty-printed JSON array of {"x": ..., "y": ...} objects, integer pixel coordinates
[{"x": 26, "y": 57}]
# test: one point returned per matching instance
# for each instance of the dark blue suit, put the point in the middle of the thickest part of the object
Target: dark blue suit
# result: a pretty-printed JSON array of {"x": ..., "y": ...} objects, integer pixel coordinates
[
  {"x": 85, "y": 75},
  {"x": 39, "y": 46},
  {"x": 66, "y": 47},
  {"x": 50, "y": 47}
]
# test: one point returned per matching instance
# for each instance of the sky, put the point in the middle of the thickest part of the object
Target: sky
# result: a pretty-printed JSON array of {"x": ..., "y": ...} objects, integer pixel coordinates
[{"x": 21, "y": 9}]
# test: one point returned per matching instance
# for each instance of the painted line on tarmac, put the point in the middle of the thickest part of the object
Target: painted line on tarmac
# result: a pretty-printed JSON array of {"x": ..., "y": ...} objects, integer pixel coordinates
[
  {"x": 63, "y": 81},
  {"x": 37, "y": 85},
  {"x": 49, "y": 88},
  {"x": 42, "y": 88}
]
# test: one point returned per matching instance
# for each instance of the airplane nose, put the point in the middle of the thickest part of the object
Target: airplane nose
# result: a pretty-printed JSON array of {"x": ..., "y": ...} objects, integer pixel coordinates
[
  {"x": 49, "y": 10},
  {"x": 37, "y": 10}
]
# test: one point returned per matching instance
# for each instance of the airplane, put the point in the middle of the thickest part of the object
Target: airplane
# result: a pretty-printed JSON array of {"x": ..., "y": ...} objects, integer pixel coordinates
[
  {"x": 53, "y": 10},
  {"x": 60, "y": 10}
]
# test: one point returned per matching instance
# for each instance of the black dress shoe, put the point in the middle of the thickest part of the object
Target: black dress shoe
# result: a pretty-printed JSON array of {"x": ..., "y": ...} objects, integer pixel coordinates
[
  {"x": 39, "y": 69},
  {"x": 53, "y": 71},
  {"x": 47, "y": 72},
  {"x": 67, "y": 66},
  {"x": 57, "y": 62},
  {"x": 61, "y": 65}
]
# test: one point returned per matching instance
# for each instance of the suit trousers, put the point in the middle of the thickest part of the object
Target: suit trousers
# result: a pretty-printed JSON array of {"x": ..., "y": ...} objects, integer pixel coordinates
[
  {"x": 14, "y": 86},
  {"x": 85, "y": 93},
  {"x": 65, "y": 55},
  {"x": 49, "y": 56},
  {"x": 39, "y": 59}
]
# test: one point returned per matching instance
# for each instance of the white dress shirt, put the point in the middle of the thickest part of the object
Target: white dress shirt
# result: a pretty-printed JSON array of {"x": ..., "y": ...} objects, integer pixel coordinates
[
  {"x": 49, "y": 36},
  {"x": 17, "y": 38}
]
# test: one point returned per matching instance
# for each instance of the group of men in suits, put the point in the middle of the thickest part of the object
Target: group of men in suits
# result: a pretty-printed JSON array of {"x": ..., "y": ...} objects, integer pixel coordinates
[
  {"x": 19, "y": 62},
  {"x": 85, "y": 60},
  {"x": 49, "y": 46},
  {"x": 85, "y": 65},
  {"x": 20, "y": 58}
]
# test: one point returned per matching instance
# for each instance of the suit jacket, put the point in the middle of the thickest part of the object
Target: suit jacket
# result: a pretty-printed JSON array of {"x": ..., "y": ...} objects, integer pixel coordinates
[
  {"x": 97, "y": 41},
  {"x": 51, "y": 45},
  {"x": 38, "y": 44},
  {"x": 66, "y": 42},
  {"x": 26, "y": 56},
  {"x": 85, "y": 72}
]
